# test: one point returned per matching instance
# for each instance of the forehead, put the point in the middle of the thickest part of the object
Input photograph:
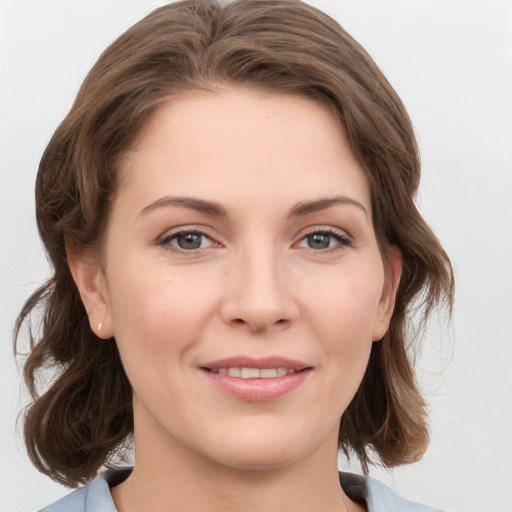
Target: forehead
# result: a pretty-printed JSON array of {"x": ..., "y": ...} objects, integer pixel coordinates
[{"x": 260, "y": 143}]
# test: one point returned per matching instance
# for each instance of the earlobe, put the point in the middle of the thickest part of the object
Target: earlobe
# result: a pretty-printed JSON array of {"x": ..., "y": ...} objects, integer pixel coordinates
[
  {"x": 387, "y": 301},
  {"x": 90, "y": 281}
]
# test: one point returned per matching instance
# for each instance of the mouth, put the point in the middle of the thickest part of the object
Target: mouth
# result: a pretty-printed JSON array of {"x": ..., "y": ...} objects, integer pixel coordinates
[
  {"x": 254, "y": 373},
  {"x": 256, "y": 380}
]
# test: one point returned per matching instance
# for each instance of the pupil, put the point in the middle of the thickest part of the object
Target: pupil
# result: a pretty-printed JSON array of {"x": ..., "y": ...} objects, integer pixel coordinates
[
  {"x": 189, "y": 241},
  {"x": 319, "y": 241}
]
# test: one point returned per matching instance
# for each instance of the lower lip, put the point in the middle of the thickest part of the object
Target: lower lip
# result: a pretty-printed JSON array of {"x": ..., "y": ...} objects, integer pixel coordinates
[{"x": 258, "y": 390}]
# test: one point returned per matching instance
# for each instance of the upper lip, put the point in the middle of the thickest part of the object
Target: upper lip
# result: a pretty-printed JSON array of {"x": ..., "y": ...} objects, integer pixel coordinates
[{"x": 252, "y": 362}]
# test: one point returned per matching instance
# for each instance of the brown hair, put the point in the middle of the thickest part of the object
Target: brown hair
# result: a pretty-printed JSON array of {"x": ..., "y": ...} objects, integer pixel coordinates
[{"x": 80, "y": 422}]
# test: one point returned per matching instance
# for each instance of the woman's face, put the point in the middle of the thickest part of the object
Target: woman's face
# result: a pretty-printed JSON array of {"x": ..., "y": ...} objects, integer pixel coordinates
[{"x": 242, "y": 279}]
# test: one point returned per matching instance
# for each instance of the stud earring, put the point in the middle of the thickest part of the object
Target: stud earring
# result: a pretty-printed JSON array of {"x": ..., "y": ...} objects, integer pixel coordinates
[{"x": 100, "y": 325}]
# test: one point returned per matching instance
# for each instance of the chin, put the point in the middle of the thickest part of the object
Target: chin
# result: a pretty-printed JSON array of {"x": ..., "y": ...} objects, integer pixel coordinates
[
  {"x": 257, "y": 460},
  {"x": 263, "y": 450}
]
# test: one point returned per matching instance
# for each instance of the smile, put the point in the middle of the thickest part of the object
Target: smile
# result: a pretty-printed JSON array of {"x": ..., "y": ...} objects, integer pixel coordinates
[
  {"x": 256, "y": 380},
  {"x": 255, "y": 373}
]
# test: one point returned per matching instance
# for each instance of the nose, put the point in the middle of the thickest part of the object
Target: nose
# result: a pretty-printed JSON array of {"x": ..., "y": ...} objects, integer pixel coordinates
[{"x": 259, "y": 293}]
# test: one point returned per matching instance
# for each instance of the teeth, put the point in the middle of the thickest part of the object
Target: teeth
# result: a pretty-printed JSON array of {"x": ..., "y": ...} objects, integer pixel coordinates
[
  {"x": 250, "y": 373},
  {"x": 255, "y": 373}
]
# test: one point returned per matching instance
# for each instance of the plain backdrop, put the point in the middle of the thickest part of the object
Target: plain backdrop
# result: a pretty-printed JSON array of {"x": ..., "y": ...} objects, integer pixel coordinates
[{"x": 451, "y": 62}]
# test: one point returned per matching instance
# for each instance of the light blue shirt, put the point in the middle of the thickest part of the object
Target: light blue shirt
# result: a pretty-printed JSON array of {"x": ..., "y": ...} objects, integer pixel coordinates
[{"x": 96, "y": 497}]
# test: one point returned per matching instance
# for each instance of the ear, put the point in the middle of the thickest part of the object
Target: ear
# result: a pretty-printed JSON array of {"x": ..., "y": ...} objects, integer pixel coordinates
[
  {"x": 387, "y": 300},
  {"x": 90, "y": 281}
]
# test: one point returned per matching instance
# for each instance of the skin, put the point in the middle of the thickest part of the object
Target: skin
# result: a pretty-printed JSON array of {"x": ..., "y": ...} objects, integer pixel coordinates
[{"x": 257, "y": 283}]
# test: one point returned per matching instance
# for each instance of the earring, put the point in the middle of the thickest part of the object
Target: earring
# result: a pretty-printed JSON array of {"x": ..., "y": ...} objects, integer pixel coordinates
[{"x": 100, "y": 325}]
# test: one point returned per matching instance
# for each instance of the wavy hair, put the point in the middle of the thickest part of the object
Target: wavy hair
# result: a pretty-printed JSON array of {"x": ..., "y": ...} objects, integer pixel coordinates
[{"x": 83, "y": 418}]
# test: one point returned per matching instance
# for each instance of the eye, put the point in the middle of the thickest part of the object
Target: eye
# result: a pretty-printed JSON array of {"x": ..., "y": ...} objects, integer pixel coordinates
[
  {"x": 187, "y": 241},
  {"x": 324, "y": 240}
]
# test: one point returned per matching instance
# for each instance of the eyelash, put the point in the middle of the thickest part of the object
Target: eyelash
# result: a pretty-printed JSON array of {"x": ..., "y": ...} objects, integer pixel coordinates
[
  {"x": 166, "y": 240},
  {"x": 341, "y": 239}
]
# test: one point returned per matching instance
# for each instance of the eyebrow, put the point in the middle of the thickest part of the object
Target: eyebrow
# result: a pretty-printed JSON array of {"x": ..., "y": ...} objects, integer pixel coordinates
[
  {"x": 304, "y": 208},
  {"x": 207, "y": 207}
]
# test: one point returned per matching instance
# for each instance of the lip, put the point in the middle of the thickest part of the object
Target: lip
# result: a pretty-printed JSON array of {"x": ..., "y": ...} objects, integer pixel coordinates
[{"x": 256, "y": 390}]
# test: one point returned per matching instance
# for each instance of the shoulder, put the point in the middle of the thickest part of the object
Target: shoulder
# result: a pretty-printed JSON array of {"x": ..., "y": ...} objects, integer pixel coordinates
[
  {"x": 377, "y": 496},
  {"x": 94, "y": 497}
]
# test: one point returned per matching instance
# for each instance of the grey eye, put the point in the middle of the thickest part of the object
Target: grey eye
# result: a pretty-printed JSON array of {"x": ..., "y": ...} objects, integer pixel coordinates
[
  {"x": 322, "y": 240},
  {"x": 319, "y": 240},
  {"x": 189, "y": 241}
]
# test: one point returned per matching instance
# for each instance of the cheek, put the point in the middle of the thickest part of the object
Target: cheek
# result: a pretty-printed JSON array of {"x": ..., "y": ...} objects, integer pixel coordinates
[
  {"x": 349, "y": 310},
  {"x": 157, "y": 315},
  {"x": 344, "y": 319}
]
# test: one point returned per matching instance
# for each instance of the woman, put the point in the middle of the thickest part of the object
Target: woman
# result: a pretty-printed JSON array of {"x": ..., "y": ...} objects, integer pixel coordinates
[{"x": 229, "y": 211}]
